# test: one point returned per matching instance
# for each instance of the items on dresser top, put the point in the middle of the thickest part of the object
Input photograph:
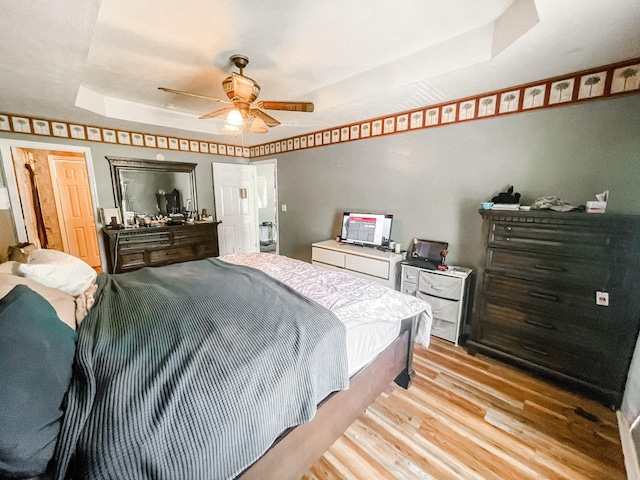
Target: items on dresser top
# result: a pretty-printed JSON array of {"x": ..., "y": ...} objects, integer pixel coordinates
[
  {"x": 369, "y": 263},
  {"x": 447, "y": 293},
  {"x": 134, "y": 248},
  {"x": 559, "y": 293}
]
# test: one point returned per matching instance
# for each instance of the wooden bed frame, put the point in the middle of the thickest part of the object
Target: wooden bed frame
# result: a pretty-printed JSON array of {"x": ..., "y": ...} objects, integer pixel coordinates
[{"x": 298, "y": 448}]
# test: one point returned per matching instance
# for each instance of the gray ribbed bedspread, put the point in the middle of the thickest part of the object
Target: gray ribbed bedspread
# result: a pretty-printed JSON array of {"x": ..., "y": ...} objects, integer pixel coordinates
[{"x": 191, "y": 371}]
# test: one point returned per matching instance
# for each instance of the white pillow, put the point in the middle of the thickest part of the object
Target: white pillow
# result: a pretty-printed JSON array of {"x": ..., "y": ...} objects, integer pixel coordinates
[{"x": 60, "y": 270}]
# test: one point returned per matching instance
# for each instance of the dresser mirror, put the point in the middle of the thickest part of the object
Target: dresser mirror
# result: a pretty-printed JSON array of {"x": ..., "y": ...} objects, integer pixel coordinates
[{"x": 152, "y": 188}]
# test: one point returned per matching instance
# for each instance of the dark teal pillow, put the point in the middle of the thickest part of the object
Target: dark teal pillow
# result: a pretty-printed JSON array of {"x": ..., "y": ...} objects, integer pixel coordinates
[{"x": 36, "y": 359}]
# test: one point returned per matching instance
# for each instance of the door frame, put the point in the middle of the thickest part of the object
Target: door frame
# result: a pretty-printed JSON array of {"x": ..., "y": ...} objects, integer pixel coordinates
[
  {"x": 273, "y": 161},
  {"x": 6, "y": 154}
]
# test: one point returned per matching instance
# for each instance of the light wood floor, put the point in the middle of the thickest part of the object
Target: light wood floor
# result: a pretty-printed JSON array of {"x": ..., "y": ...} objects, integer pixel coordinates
[{"x": 470, "y": 417}]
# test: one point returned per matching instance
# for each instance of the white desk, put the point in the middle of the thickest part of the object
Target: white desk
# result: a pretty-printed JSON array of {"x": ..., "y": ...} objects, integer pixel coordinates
[{"x": 364, "y": 262}]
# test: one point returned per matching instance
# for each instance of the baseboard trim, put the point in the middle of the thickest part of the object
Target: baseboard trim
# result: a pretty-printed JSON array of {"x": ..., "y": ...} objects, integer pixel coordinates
[{"x": 631, "y": 460}]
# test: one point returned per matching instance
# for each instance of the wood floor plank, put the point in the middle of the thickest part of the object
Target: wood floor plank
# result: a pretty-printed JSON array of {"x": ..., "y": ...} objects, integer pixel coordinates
[{"x": 473, "y": 417}]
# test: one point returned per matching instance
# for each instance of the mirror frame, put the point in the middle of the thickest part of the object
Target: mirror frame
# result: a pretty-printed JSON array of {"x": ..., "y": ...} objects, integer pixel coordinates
[{"x": 119, "y": 165}]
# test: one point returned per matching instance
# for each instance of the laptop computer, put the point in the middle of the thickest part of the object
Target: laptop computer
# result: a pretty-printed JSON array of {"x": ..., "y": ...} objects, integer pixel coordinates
[{"x": 426, "y": 253}]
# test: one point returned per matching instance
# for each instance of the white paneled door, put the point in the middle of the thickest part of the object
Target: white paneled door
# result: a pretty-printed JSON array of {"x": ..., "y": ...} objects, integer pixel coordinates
[{"x": 235, "y": 198}]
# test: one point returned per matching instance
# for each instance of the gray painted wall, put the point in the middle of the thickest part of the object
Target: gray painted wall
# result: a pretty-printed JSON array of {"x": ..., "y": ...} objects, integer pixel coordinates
[{"x": 434, "y": 180}]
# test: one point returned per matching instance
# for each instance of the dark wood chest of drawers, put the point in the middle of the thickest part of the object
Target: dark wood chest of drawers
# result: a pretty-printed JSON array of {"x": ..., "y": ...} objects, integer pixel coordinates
[
  {"x": 134, "y": 248},
  {"x": 537, "y": 296}
]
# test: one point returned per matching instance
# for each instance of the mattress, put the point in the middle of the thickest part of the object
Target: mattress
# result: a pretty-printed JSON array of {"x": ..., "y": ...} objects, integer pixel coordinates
[{"x": 371, "y": 313}]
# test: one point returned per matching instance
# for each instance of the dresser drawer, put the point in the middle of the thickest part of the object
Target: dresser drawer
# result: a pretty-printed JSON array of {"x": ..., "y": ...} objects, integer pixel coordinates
[
  {"x": 581, "y": 330},
  {"x": 177, "y": 254},
  {"x": 439, "y": 285},
  {"x": 329, "y": 257},
  {"x": 558, "y": 269},
  {"x": 368, "y": 266},
  {"x": 543, "y": 297},
  {"x": 209, "y": 249},
  {"x": 132, "y": 260},
  {"x": 144, "y": 240},
  {"x": 558, "y": 354},
  {"x": 570, "y": 240}
]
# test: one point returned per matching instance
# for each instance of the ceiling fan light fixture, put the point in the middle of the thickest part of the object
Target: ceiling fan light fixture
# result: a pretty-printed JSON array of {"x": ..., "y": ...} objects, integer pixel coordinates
[
  {"x": 234, "y": 119},
  {"x": 258, "y": 126},
  {"x": 231, "y": 129}
]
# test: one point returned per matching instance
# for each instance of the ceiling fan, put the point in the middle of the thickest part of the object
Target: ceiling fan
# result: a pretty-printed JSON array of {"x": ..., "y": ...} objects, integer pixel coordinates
[{"x": 242, "y": 92}]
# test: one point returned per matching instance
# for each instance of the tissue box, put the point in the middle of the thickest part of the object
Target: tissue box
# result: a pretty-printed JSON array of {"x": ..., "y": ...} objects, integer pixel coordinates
[{"x": 596, "y": 207}]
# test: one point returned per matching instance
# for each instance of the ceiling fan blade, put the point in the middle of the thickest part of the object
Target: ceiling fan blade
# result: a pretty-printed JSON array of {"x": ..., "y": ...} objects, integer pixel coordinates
[
  {"x": 290, "y": 106},
  {"x": 216, "y": 113},
  {"x": 197, "y": 95},
  {"x": 269, "y": 120}
]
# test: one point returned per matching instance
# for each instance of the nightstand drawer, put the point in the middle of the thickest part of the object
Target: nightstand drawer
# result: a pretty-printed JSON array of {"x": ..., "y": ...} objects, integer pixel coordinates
[
  {"x": 441, "y": 308},
  {"x": 440, "y": 285},
  {"x": 410, "y": 274},
  {"x": 444, "y": 329},
  {"x": 409, "y": 288}
]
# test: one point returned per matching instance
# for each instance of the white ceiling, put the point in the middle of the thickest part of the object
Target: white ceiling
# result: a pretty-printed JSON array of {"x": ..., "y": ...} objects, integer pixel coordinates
[{"x": 100, "y": 62}]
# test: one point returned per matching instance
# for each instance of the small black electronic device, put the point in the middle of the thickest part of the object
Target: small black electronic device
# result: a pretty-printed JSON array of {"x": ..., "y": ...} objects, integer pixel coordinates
[{"x": 427, "y": 253}]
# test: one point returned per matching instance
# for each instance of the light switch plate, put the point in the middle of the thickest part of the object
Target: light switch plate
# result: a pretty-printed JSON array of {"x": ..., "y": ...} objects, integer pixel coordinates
[{"x": 602, "y": 298}]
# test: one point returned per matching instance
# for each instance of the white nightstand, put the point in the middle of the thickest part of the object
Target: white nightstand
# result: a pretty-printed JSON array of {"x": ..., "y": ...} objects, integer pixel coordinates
[{"x": 447, "y": 292}]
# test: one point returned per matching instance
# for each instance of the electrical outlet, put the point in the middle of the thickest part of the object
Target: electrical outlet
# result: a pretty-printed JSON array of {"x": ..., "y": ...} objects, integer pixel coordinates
[
  {"x": 602, "y": 298},
  {"x": 284, "y": 207}
]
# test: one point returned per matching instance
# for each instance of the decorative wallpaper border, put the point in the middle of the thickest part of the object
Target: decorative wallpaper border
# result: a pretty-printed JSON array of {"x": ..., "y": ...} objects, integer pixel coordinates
[
  {"x": 54, "y": 128},
  {"x": 594, "y": 84},
  {"x": 587, "y": 85}
]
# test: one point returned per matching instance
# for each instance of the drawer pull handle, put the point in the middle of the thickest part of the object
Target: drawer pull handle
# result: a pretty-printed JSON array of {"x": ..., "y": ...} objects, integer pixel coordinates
[
  {"x": 535, "y": 350},
  {"x": 170, "y": 254},
  {"x": 507, "y": 239},
  {"x": 508, "y": 228},
  {"x": 548, "y": 326},
  {"x": 544, "y": 296},
  {"x": 549, "y": 268}
]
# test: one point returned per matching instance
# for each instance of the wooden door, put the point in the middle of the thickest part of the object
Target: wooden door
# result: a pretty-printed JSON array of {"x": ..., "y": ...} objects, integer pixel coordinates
[
  {"x": 234, "y": 194},
  {"x": 75, "y": 210}
]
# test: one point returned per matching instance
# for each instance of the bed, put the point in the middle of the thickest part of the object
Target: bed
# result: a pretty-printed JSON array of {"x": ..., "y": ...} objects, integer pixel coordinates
[{"x": 154, "y": 394}]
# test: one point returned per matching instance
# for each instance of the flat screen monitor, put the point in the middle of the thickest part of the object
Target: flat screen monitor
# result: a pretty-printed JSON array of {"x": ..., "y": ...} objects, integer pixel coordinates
[
  {"x": 428, "y": 250},
  {"x": 368, "y": 229}
]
